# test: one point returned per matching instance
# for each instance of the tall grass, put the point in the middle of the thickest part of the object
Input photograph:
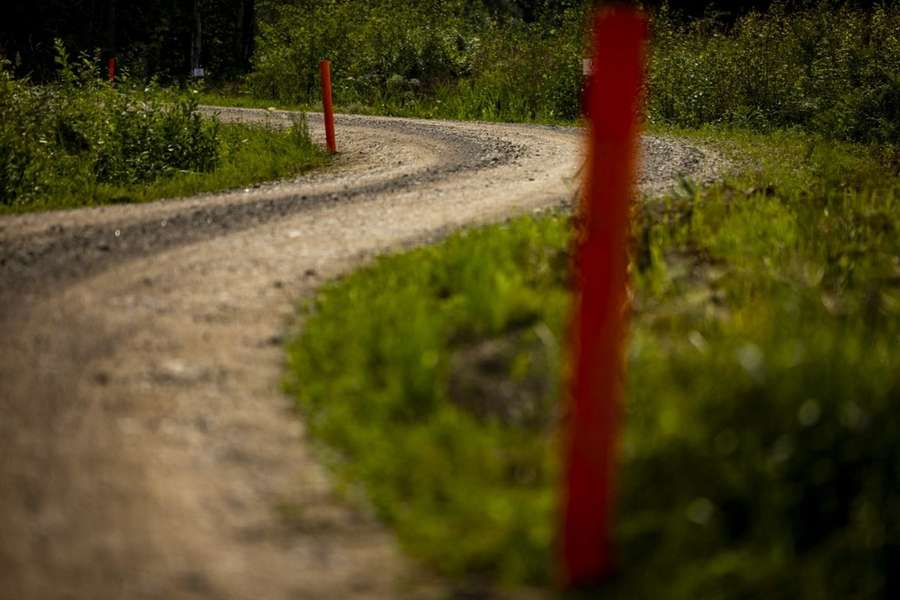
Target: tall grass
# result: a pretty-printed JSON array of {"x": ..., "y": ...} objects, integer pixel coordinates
[
  {"x": 83, "y": 141},
  {"x": 760, "y": 457},
  {"x": 442, "y": 59},
  {"x": 376, "y": 48},
  {"x": 832, "y": 68},
  {"x": 81, "y": 132}
]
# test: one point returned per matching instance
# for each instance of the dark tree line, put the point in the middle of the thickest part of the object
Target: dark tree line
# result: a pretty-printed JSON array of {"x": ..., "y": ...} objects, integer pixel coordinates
[{"x": 166, "y": 38}]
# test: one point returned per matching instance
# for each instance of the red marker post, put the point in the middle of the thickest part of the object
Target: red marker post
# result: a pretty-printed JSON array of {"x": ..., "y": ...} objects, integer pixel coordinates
[
  {"x": 111, "y": 69},
  {"x": 613, "y": 105},
  {"x": 327, "y": 107}
]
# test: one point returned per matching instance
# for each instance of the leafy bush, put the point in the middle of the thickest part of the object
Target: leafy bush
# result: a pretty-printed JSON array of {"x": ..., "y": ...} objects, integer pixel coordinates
[
  {"x": 69, "y": 137},
  {"x": 248, "y": 154},
  {"x": 522, "y": 72},
  {"x": 444, "y": 59},
  {"x": 374, "y": 47},
  {"x": 833, "y": 69}
]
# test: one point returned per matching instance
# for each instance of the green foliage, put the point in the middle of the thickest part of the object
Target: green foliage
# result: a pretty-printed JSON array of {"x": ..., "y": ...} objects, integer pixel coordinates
[
  {"x": 248, "y": 154},
  {"x": 762, "y": 436},
  {"x": 84, "y": 141},
  {"x": 521, "y": 72},
  {"x": 760, "y": 456},
  {"x": 374, "y": 47},
  {"x": 445, "y": 59},
  {"x": 371, "y": 375},
  {"x": 82, "y": 131},
  {"x": 833, "y": 69}
]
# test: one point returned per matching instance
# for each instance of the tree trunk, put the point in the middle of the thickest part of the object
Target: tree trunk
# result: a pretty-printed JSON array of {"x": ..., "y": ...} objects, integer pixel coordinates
[
  {"x": 196, "y": 42},
  {"x": 111, "y": 28},
  {"x": 247, "y": 33},
  {"x": 92, "y": 18}
]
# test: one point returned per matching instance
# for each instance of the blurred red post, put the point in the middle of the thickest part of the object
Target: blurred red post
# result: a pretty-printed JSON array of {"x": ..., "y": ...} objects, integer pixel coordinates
[
  {"x": 111, "y": 69},
  {"x": 328, "y": 108},
  {"x": 600, "y": 318}
]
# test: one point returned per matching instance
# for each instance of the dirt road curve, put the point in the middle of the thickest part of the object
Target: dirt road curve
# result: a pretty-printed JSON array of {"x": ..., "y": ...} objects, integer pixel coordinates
[{"x": 145, "y": 448}]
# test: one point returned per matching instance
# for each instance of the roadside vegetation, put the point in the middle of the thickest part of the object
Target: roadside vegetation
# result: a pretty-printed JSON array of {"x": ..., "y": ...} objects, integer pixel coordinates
[
  {"x": 760, "y": 454},
  {"x": 84, "y": 142},
  {"x": 830, "y": 67}
]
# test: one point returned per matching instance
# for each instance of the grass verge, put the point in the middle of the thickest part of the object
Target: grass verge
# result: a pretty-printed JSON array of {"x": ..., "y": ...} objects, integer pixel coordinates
[
  {"x": 80, "y": 141},
  {"x": 247, "y": 154},
  {"x": 760, "y": 454}
]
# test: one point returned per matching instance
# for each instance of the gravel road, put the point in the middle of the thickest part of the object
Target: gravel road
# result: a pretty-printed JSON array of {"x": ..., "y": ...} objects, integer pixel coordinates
[{"x": 146, "y": 450}]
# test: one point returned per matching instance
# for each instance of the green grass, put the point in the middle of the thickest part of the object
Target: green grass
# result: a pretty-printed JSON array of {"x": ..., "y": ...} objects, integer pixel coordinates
[
  {"x": 247, "y": 155},
  {"x": 760, "y": 456},
  {"x": 830, "y": 67},
  {"x": 83, "y": 142}
]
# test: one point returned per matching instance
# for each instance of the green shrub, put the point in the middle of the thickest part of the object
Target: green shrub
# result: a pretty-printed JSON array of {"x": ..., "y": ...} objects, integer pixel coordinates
[
  {"x": 522, "y": 72},
  {"x": 438, "y": 59},
  {"x": 833, "y": 69},
  {"x": 81, "y": 132},
  {"x": 760, "y": 453},
  {"x": 369, "y": 44}
]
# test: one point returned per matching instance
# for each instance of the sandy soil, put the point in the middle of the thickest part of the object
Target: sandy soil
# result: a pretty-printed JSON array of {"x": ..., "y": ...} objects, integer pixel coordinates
[{"x": 146, "y": 450}]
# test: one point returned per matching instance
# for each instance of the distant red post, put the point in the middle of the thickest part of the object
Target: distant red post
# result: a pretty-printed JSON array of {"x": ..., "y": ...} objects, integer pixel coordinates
[
  {"x": 600, "y": 319},
  {"x": 111, "y": 69},
  {"x": 328, "y": 108}
]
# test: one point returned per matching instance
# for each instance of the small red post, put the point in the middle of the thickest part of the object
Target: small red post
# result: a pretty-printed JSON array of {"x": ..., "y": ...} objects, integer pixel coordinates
[
  {"x": 111, "y": 69},
  {"x": 328, "y": 108},
  {"x": 600, "y": 317}
]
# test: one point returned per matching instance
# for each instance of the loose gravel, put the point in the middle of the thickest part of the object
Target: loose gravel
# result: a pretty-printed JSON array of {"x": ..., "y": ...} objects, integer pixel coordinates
[{"x": 146, "y": 450}]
